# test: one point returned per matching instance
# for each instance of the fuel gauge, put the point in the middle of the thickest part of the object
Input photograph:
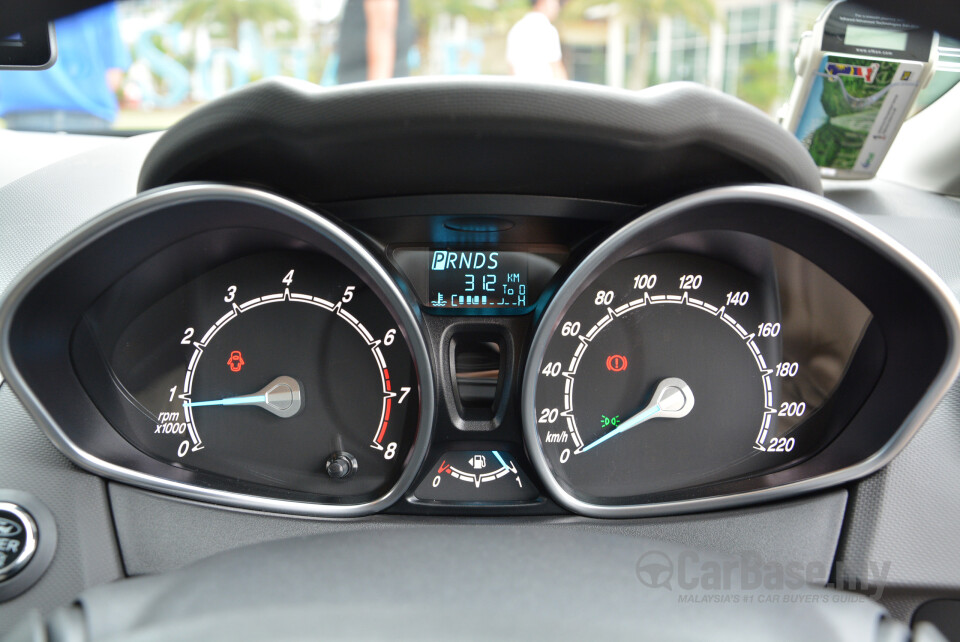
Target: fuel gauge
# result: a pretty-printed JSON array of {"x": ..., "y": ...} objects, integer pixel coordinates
[{"x": 476, "y": 476}]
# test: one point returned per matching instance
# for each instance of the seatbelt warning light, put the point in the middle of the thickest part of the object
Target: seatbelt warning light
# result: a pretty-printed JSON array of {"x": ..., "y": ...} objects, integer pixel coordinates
[{"x": 235, "y": 361}]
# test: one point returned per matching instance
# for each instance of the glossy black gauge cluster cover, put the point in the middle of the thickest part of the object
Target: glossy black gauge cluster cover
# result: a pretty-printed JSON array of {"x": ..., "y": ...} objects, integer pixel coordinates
[{"x": 470, "y": 135}]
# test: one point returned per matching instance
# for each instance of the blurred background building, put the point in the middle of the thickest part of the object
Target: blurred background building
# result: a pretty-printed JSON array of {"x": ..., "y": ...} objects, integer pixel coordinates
[{"x": 187, "y": 52}]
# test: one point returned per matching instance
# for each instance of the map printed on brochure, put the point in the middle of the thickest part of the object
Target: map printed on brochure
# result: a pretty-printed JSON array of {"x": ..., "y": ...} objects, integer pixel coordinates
[{"x": 855, "y": 109}]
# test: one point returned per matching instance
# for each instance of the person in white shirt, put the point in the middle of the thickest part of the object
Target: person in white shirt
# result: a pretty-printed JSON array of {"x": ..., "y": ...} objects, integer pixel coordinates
[{"x": 533, "y": 44}]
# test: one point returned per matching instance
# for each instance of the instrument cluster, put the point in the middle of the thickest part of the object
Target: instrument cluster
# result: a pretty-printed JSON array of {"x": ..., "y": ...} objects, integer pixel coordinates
[{"x": 227, "y": 345}]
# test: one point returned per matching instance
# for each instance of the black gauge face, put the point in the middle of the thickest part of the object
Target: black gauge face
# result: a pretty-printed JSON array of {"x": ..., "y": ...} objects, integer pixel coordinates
[
  {"x": 672, "y": 371},
  {"x": 282, "y": 370}
]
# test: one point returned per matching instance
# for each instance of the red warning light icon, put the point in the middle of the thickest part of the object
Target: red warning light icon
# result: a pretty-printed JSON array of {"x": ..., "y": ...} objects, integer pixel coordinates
[
  {"x": 236, "y": 361},
  {"x": 616, "y": 363}
]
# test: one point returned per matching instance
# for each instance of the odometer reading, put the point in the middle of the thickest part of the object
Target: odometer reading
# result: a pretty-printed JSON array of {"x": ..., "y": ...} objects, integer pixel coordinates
[{"x": 475, "y": 279}]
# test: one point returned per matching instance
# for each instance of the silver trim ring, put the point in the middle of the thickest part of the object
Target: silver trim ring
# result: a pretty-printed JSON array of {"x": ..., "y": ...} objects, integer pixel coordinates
[
  {"x": 616, "y": 247},
  {"x": 23, "y": 557},
  {"x": 160, "y": 198}
]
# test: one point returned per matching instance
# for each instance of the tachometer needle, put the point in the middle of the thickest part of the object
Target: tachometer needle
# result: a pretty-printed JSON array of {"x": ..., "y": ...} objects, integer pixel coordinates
[
  {"x": 671, "y": 400},
  {"x": 281, "y": 397}
]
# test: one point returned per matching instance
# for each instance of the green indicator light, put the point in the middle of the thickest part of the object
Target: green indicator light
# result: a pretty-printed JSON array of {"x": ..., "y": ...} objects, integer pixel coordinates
[{"x": 609, "y": 421}]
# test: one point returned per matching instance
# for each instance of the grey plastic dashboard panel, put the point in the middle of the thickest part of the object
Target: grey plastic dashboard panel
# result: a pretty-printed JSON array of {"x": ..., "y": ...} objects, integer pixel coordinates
[
  {"x": 159, "y": 533},
  {"x": 87, "y": 549},
  {"x": 706, "y": 209},
  {"x": 907, "y": 514},
  {"x": 36, "y": 150},
  {"x": 36, "y": 210},
  {"x": 475, "y": 582},
  {"x": 289, "y": 217}
]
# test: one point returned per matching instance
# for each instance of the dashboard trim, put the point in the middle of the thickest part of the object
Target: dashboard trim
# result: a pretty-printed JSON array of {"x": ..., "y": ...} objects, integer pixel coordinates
[
  {"x": 820, "y": 209},
  {"x": 165, "y": 197}
]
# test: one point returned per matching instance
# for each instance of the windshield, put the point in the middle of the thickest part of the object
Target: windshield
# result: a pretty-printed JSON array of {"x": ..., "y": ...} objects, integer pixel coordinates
[{"x": 143, "y": 64}]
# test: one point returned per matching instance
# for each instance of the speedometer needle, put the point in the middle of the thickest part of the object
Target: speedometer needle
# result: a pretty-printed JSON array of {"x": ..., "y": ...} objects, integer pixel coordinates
[
  {"x": 281, "y": 397},
  {"x": 671, "y": 400}
]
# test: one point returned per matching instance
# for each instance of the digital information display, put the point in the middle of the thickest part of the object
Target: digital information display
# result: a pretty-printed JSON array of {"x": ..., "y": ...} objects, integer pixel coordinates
[
  {"x": 473, "y": 279},
  {"x": 873, "y": 37}
]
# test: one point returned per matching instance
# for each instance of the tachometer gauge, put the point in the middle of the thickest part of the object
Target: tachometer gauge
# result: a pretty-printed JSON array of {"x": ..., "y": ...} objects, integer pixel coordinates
[
  {"x": 239, "y": 348},
  {"x": 282, "y": 369}
]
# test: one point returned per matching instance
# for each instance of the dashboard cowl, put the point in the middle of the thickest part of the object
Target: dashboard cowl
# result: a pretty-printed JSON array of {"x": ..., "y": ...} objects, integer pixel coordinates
[{"x": 508, "y": 137}]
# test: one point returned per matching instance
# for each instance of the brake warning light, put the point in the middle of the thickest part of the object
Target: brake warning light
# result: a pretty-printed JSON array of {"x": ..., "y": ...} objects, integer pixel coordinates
[{"x": 616, "y": 363}]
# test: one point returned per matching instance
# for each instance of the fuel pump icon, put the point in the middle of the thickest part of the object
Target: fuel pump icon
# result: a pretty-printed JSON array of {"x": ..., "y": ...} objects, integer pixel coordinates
[{"x": 478, "y": 462}]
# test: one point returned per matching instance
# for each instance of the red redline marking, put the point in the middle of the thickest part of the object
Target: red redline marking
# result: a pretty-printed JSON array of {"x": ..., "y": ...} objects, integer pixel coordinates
[
  {"x": 386, "y": 420},
  {"x": 386, "y": 414},
  {"x": 443, "y": 467}
]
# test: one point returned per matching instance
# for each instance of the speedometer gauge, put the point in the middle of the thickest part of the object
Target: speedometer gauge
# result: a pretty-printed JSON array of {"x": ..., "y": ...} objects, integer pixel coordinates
[
  {"x": 677, "y": 371},
  {"x": 665, "y": 354}
]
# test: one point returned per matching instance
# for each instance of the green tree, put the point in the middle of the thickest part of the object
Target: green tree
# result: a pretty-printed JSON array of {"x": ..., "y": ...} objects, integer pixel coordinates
[
  {"x": 644, "y": 16},
  {"x": 493, "y": 16},
  {"x": 761, "y": 81},
  {"x": 427, "y": 11},
  {"x": 231, "y": 13}
]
